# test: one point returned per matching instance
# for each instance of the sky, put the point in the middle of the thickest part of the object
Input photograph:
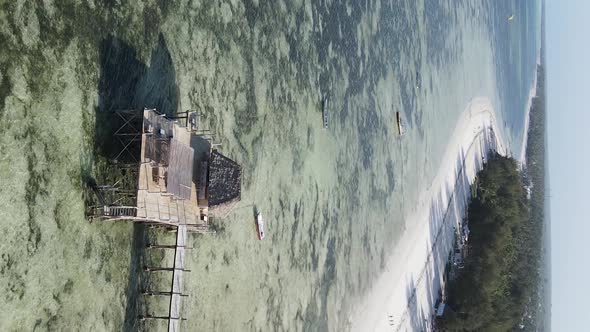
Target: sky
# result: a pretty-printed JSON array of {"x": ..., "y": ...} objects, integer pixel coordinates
[{"x": 568, "y": 91}]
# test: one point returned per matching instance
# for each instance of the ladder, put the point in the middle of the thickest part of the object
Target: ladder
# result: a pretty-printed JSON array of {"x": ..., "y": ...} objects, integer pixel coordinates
[{"x": 120, "y": 211}]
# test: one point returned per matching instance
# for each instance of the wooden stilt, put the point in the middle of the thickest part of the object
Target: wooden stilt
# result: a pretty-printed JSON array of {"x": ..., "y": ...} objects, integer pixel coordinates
[
  {"x": 155, "y": 269},
  {"x": 166, "y": 246},
  {"x": 157, "y": 293},
  {"x": 148, "y": 317}
]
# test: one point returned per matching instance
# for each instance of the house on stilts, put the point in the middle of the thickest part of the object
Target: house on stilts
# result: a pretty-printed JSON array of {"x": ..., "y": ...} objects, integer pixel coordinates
[{"x": 181, "y": 181}]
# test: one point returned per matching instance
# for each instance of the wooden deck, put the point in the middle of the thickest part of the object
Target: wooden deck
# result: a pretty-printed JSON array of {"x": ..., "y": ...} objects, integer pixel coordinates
[
  {"x": 173, "y": 190},
  {"x": 177, "y": 279},
  {"x": 167, "y": 192}
]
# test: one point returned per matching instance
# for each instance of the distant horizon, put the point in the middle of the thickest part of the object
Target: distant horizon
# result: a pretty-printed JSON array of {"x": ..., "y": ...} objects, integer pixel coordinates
[{"x": 567, "y": 75}]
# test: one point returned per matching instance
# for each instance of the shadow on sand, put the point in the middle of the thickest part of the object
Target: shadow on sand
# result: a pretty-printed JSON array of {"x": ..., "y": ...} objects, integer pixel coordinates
[{"x": 126, "y": 83}]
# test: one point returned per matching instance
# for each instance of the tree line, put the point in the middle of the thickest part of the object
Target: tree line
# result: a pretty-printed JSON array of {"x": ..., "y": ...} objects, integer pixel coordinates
[{"x": 498, "y": 289}]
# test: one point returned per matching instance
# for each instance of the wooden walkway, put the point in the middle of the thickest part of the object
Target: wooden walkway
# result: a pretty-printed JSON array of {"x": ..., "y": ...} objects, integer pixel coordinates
[
  {"x": 177, "y": 279},
  {"x": 172, "y": 171}
]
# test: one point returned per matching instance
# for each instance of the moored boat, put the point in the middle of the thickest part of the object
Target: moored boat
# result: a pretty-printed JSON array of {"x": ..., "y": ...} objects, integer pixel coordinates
[
  {"x": 260, "y": 226},
  {"x": 400, "y": 125},
  {"x": 325, "y": 103}
]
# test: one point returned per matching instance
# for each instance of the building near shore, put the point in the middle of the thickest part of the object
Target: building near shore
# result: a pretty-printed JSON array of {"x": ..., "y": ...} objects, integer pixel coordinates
[{"x": 181, "y": 179}]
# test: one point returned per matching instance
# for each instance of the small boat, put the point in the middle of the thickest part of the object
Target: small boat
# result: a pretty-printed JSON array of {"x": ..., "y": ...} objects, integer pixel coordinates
[
  {"x": 511, "y": 17},
  {"x": 400, "y": 126},
  {"x": 260, "y": 226},
  {"x": 325, "y": 103}
]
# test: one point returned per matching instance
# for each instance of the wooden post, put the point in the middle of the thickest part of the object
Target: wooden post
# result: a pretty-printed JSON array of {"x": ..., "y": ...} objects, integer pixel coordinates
[
  {"x": 148, "y": 317},
  {"x": 155, "y": 293},
  {"x": 165, "y": 246},
  {"x": 155, "y": 269}
]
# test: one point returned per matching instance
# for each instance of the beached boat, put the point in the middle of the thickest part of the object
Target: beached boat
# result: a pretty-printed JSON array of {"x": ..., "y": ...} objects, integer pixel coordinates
[
  {"x": 400, "y": 126},
  {"x": 325, "y": 111},
  {"x": 260, "y": 226}
]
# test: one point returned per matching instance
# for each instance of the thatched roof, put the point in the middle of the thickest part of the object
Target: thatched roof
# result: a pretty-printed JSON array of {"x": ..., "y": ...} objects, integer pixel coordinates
[{"x": 224, "y": 180}]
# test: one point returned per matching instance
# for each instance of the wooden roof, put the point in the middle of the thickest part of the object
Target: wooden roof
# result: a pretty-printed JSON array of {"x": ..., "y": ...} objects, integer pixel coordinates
[
  {"x": 157, "y": 149},
  {"x": 179, "y": 179},
  {"x": 166, "y": 190}
]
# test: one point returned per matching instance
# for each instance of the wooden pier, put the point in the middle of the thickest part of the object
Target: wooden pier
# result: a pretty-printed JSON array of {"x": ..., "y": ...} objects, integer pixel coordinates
[
  {"x": 180, "y": 181},
  {"x": 177, "y": 278}
]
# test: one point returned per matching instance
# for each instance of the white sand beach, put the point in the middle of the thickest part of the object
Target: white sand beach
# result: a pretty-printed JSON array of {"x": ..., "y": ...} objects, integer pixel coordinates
[{"x": 403, "y": 297}]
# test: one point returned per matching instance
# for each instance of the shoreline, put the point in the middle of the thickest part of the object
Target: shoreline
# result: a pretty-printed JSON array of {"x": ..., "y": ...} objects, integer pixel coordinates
[
  {"x": 402, "y": 299},
  {"x": 525, "y": 136}
]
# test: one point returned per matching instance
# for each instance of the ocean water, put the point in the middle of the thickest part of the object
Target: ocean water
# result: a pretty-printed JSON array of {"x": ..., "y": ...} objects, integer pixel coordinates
[
  {"x": 516, "y": 46},
  {"x": 334, "y": 199}
]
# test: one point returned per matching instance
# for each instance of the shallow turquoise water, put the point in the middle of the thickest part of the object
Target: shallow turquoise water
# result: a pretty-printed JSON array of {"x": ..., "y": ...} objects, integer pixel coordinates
[{"x": 334, "y": 199}]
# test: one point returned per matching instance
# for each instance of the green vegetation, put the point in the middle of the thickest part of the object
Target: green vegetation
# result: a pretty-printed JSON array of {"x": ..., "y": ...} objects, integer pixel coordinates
[
  {"x": 499, "y": 286},
  {"x": 486, "y": 297},
  {"x": 536, "y": 157}
]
